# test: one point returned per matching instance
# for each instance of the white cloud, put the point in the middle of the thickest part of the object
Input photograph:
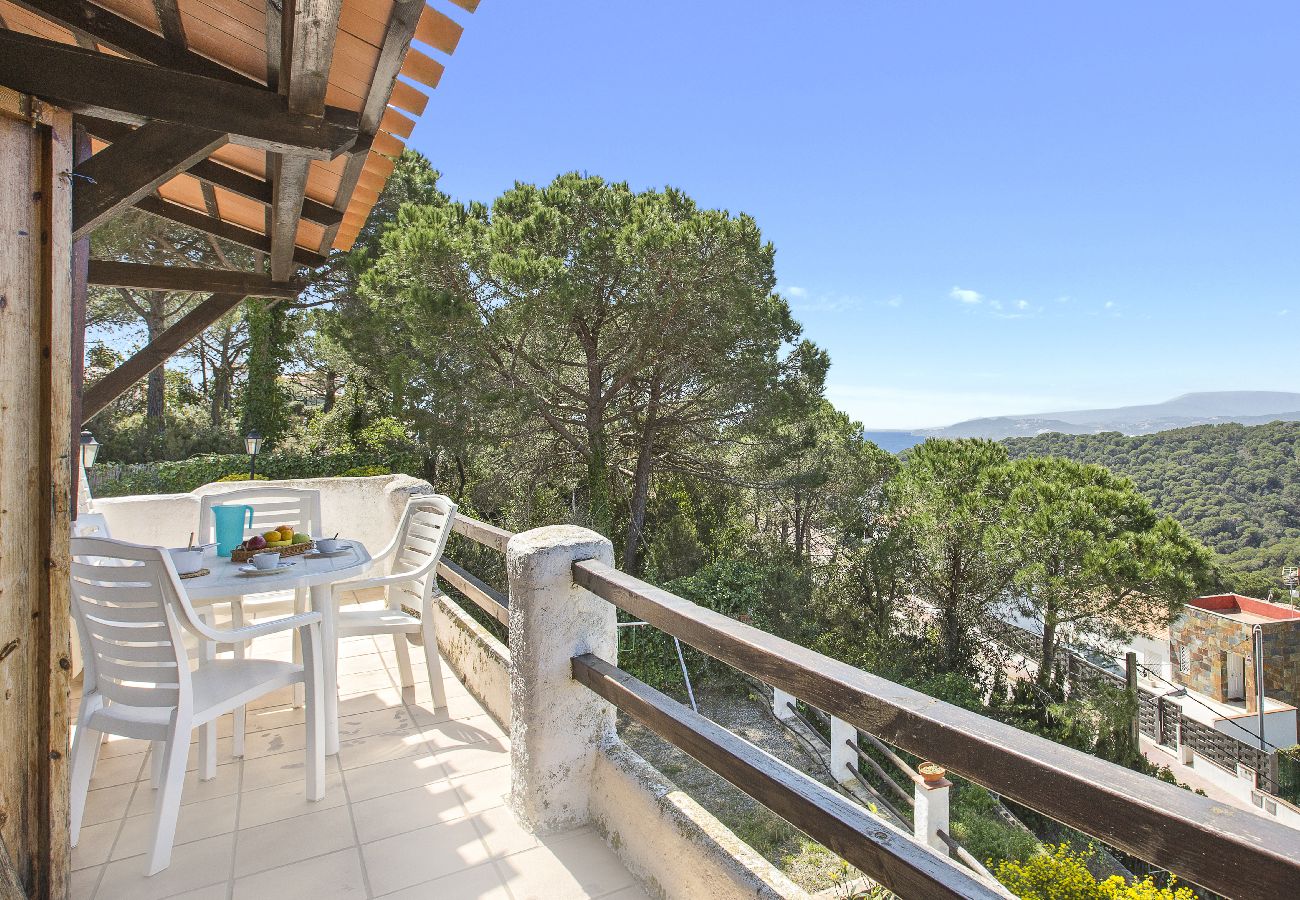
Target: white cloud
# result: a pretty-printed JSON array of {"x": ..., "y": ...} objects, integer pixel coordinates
[
  {"x": 1110, "y": 304},
  {"x": 1022, "y": 305},
  {"x": 1283, "y": 312},
  {"x": 794, "y": 291},
  {"x": 965, "y": 295},
  {"x": 895, "y": 302}
]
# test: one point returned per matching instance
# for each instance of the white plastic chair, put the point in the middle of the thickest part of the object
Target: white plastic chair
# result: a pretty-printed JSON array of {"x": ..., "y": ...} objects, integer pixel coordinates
[
  {"x": 272, "y": 505},
  {"x": 132, "y": 611},
  {"x": 411, "y": 561},
  {"x": 85, "y": 525}
]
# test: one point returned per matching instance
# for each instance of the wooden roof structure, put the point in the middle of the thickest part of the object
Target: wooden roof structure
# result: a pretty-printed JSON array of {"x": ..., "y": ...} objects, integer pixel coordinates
[{"x": 270, "y": 124}]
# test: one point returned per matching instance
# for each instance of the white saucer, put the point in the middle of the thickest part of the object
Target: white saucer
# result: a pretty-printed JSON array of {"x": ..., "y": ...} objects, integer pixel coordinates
[
  {"x": 321, "y": 554},
  {"x": 254, "y": 570}
]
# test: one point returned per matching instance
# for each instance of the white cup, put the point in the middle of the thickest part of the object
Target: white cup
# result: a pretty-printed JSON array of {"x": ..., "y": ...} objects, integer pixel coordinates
[
  {"x": 187, "y": 560},
  {"x": 328, "y": 545},
  {"x": 267, "y": 560}
]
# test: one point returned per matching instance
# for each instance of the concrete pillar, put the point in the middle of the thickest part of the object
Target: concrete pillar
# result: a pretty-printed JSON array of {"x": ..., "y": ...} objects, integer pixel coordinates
[
  {"x": 557, "y": 726},
  {"x": 844, "y": 762},
  {"x": 779, "y": 700},
  {"x": 930, "y": 815}
]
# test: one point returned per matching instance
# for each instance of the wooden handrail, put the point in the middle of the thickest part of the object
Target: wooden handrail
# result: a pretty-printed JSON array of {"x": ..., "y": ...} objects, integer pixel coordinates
[
  {"x": 482, "y": 532},
  {"x": 491, "y": 601},
  {"x": 1227, "y": 850},
  {"x": 886, "y": 854}
]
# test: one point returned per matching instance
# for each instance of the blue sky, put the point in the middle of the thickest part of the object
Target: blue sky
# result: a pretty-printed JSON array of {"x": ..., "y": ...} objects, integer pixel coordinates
[{"x": 979, "y": 208}]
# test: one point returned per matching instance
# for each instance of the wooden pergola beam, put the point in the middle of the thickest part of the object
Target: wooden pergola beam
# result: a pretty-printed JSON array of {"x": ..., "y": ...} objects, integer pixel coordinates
[
  {"x": 220, "y": 175},
  {"x": 97, "y": 25},
  {"x": 117, "y": 176},
  {"x": 117, "y": 382},
  {"x": 229, "y": 231},
  {"x": 111, "y": 273},
  {"x": 128, "y": 91},
  {"x": 306, "y": 51}
]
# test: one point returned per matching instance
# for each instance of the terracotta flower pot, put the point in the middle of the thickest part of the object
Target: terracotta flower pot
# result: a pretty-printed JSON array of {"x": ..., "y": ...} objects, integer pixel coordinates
[{"x": 932, "y": 772}]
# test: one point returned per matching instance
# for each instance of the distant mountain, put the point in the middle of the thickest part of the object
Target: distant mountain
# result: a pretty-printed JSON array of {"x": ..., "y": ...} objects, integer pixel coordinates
[{"x": 1207, "y": 408}]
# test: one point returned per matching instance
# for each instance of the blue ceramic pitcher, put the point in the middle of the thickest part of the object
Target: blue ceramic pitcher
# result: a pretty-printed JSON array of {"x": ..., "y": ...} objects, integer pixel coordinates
[{"x": 231, "y": 519}]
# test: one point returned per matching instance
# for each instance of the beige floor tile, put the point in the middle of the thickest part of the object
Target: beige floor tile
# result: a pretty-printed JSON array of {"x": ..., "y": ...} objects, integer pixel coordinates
[
  {"x": 457, "y": 732},
  {"x": 193, "y": 866},
  {"x": 274, "y": 740},
  {"x": 360, "y": 662},
  {"x": 459, "y": 707},
  {"x": 564, "y": 867},
  {"x": 371, "y": 681},
  {"x": 468, "y": 759},
  {"x": 335, "y": 876},
  {"x": 269, "y": 718},
  {"x": 407, "y": 810},
  {"x": 290, "y": 840},
  {"x": 383, "y": 778},
  {"x": 285, "y": 801},
  {"x": 366, "y": 701},
  {"x": 479, "y": 883},
  {"x": 82, "y": 884},
  {"x": 116, "y": 746},
  {"x": 367, "y": 751},
  {"x": 422, "y": 855},
  {"x": 384, "y": 720},
  {"x": 192, "y": 791},
  {"x": 211, "y": 892},
  {"x": 501, "y": 832},
  {"x": 205, "y": 819},
  {"x": 94, "y": 844},
  {"x": 117, "y": 770},
  {"x": 483, "y": 790},
  {"x": 106, "y": 804},
  {"x": 632, "y": 892},
  {"x": 280, "y": 768}
]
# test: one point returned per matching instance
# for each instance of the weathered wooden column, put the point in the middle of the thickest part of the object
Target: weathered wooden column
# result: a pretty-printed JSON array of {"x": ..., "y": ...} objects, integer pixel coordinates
[{"x": 35, "y": 411}]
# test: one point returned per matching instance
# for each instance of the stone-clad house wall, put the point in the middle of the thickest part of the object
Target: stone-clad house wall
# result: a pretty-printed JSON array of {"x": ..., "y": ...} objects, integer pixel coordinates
[{"x": 1206, "y": 638}]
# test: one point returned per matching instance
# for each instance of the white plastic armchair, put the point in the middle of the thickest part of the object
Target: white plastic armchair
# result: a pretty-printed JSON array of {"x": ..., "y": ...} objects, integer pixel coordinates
[
  {"x": 131, "y": 611},
  {"x": 272, "y": 505},
  {"x": 409, "y": 565}
]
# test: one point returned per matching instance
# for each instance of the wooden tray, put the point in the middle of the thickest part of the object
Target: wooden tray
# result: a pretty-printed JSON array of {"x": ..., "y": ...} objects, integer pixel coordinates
[{"x": 242, "y": 556}]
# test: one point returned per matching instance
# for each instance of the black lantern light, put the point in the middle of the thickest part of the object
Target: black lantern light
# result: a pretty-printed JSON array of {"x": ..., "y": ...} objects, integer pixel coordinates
[
  {"x": 253, "y": 444},
  {"x": 89, "y": 449}
]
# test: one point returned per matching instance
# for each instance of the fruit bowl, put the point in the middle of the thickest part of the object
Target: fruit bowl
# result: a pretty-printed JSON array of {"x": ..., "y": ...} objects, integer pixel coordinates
[{"x": 283, "y": 539}]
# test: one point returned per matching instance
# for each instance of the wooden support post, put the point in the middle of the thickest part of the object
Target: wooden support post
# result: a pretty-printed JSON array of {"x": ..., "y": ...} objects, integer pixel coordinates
[
  {"x": 35, "y": 407},
  {"x": 81, "y": 152},
  {"x": 129, "y": 169},
  {"x": 150, "y": 357}
]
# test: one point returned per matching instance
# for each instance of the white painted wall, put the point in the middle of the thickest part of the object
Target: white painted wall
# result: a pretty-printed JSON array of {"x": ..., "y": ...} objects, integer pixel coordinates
[
  {"x": 1279, "y": 727},
  {"x": 365, "y": 509}
]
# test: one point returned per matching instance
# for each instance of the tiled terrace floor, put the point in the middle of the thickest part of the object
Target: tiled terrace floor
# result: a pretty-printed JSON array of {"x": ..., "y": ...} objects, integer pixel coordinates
[{"x": 414, "y": 808}]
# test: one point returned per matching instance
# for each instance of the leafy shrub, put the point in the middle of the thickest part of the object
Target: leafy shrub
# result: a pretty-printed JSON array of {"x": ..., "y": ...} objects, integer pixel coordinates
[
  {"x": 364, "y": 471},
  {"x": 185, "y": 475},
  {"x": 1061, "y": 873},
  {"x": 241, "y": 477}
]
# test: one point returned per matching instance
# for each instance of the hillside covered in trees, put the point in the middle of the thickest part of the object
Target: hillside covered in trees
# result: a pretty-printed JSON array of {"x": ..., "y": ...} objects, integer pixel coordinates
[{"x": 1236, "y": 487}]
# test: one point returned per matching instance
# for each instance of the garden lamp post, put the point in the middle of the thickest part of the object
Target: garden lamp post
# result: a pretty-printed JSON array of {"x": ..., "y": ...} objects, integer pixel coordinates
[
  {"x": 89, "y": 450},
  {"x": 253, "y": 444}
]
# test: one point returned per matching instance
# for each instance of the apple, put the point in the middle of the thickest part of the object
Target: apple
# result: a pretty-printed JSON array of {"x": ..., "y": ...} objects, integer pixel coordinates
[
  {"x": 300, "y": 538},
  {"x": 256, "y": 542}
]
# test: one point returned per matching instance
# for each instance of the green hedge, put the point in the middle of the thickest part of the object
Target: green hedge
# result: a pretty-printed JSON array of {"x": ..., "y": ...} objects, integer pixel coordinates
[{"x": 185, "y": 475}]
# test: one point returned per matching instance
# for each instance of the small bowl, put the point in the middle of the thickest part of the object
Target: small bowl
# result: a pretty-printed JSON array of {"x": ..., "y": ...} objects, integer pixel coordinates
[
  {"x": 328, "y": 545},
  {"x": 187, "y": 560},
  {"x": 267, "y": 560},
  {"x": 932, "y": 773}
]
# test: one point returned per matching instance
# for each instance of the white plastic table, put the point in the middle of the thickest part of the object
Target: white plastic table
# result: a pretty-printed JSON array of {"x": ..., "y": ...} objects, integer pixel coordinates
[{"x": 318, "y": 575}]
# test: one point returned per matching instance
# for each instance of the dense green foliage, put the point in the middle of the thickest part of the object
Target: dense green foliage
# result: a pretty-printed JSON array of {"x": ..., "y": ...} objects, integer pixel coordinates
[
  {"x": 1061, "y": 873},
  {"x": 1235, "y": 487}
]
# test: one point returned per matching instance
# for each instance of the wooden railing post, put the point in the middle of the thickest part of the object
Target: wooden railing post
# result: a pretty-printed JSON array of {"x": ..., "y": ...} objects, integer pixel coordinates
[
  {"x": 1131, "y": 688},
  {"x": 557, "y": 726}
]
